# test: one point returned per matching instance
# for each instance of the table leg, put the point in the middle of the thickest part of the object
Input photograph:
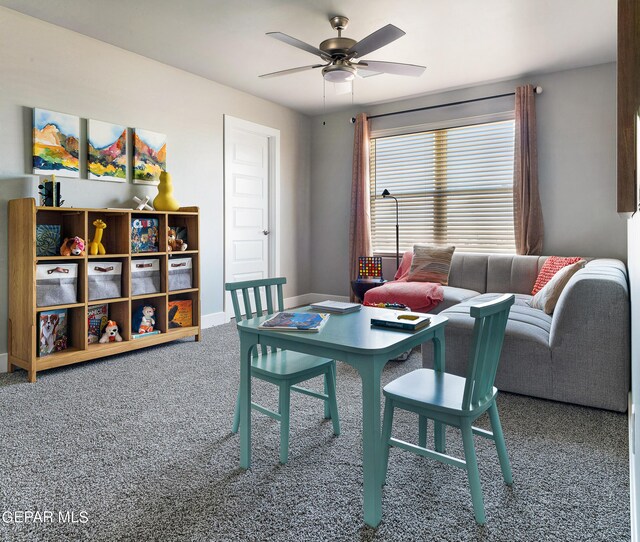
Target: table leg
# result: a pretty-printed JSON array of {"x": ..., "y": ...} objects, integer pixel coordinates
[
  {"x": 439, "y": 365},
  {"x": 370, "y": 372},
  {"x": 246, "y": 346}
]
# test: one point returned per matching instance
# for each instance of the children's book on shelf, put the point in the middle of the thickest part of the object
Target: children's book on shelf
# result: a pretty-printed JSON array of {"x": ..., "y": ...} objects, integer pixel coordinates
[
  {"x": 97, "y": 318},
  {"x": 144, "y": 234},
  {"x": 48, "y": 239},
  {"x": 296, "y": 321},
  {"x": 403, "y": 321},
  {"x": 147, "y": 334},
  {"x": 52, "y": 331},
  {"x": 337, "y": 307},
  {"x": 180, "y": 313}
]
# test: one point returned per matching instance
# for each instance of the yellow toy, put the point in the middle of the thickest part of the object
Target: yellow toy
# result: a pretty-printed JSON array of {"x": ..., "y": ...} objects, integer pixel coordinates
[{"x": 96, "y": 246}]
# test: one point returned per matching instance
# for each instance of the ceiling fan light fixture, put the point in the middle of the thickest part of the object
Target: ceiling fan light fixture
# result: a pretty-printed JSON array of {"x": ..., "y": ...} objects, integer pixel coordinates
[{"x": 338, "y": 73}]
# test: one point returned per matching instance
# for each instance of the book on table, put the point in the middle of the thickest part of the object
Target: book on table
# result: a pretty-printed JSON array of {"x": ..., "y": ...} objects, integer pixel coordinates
[
  {"x": 403, "y": 321},
  {"x": 296, "y": 321},
  {"x": 337, "y": 307}
]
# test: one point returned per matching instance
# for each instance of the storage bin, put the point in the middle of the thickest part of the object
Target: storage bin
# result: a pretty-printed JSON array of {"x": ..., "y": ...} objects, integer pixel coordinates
[
  {"x": 104, "y": 280},
  {"x": 56, "y": 284},
  {"x": 180, "y": 273},
  {"x": 145, "y": 276}
]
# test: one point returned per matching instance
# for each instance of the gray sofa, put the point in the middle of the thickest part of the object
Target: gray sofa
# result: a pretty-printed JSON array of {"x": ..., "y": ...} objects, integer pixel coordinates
[{"x": 580, "y": 354}]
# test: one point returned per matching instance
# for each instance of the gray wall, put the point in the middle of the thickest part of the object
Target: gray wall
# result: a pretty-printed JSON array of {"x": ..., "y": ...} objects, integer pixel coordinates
[
  {"x": 576, "y": 117},
  {"x": 45, "y": 66}
]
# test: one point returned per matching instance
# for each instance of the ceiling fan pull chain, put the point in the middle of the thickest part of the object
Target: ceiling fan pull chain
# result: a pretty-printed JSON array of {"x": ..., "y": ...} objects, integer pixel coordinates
[{"x": 324, "y": 102}]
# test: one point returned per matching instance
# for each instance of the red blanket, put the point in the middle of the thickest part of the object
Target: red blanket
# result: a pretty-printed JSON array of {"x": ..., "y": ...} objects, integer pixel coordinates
[{"x": 418, "y": 296}]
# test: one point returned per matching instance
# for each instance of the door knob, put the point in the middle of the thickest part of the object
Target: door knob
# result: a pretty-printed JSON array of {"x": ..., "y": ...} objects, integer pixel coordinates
[{"x": 266, "y": 232}]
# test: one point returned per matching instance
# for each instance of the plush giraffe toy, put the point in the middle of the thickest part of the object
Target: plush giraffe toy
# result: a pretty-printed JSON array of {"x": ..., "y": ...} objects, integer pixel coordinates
[{"x": 96, "y": 246}]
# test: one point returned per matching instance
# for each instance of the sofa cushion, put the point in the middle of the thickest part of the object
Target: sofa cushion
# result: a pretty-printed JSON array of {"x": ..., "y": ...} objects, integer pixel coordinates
[
  {"x": 507, "y": 273},
  {"x": 431, "y": 263},
  {"x": 548, "y": 295},
  {"x": 453, "y": 296},
  {"x": 549, "y": 270}
]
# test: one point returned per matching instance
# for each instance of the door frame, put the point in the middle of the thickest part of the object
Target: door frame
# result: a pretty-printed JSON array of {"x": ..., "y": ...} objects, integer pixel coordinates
[{"x": 273, "y": 136}]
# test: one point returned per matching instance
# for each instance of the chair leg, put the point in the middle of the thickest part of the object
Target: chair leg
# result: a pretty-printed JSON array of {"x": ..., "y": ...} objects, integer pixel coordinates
[
  {"x": 472, "y": 471},
  {"x": 501, "y": 447},
  {"x": 236, "y": 415},
  {"x": 332, "y": 404},
  {"x": 422, "y": 431},
  {"x": 284, "y": 403},
  {"x": 386, "y": 435}
]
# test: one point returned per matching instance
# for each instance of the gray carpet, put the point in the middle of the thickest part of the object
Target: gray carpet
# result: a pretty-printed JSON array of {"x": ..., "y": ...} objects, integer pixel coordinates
[{"x": 141, "y": 443}]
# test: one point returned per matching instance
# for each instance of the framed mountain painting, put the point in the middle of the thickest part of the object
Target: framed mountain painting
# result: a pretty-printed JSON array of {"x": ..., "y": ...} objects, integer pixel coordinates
[
  {"x": 56, "y": 142},
  {"x": 106, "y": 151},
  {"x": 150, "y": 156}
]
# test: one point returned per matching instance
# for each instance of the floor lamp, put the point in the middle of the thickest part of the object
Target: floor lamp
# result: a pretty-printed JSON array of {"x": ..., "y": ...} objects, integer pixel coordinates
[{"x": 387, "y": 194}]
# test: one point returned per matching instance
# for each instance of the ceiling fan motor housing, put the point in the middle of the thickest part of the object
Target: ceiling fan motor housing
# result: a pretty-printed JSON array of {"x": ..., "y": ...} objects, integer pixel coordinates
[{"x": 337, "y": 47}]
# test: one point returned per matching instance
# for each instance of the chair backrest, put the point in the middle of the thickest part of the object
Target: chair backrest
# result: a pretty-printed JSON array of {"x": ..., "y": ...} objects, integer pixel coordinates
[
  {"x": 262, "y": 288},
  {"x": 488, "y": 336}
]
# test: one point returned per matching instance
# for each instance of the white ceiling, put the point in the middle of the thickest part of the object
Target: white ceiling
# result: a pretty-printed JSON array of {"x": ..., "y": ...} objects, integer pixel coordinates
[{"x": 462, "y": 42}]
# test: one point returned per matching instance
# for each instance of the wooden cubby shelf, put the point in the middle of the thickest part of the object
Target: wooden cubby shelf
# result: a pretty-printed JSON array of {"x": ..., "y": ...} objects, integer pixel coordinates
[{"x": 24, "y": 315}]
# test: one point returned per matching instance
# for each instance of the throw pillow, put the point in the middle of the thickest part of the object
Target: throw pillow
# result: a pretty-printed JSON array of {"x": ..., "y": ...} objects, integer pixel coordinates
[
  {"x": 547, "y": 298},
  {"x": 551, "y": 266},
  {"x": 431, "y": 264}
]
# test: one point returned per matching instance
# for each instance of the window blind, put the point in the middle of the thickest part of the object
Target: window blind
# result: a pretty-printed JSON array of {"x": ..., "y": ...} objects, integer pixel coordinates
[{"x": 454, "y": 186}]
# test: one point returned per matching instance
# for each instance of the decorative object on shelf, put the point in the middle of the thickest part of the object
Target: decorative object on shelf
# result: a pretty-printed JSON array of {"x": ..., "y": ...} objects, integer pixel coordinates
[
  {"x": 106, "y": 151},
  {"x": 180, "y": 313},
  {"x": 143, "y": 203},
  {"x": 143, "y": 319},
  {"x": 165, "y": 201},
  {"x": 96, "y": 246},
  {"x": 97, "y": 318},
  {"x": 111, "y": 333},
  {"x": 53, "y": 332},
  {"x": 150, "y": 156},
  {"x": 47, "y": 239},
  {"x": 50, "y": 193},
  {"x": 387, "y": 194},
  {"x": 174, "y": 244},
  {"x": 72, "y": 246},
  {"x": 56, "y": 139},
  {"x": 144, "y": 235}
]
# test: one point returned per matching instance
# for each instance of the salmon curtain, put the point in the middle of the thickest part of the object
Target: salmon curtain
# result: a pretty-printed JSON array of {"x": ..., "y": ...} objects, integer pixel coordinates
[
  {"x": 360, "y": 226},
  {"x": 527, "y": 211}
]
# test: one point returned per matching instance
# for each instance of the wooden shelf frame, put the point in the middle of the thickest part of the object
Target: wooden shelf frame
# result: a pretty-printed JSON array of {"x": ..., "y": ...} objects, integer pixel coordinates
[{"x": 23, "y": 322}]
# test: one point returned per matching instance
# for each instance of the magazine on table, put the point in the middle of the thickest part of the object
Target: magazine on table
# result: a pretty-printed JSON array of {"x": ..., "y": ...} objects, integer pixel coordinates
[
  {"x": 403, "y": 321},
  {"x": 296, "y": 321}
]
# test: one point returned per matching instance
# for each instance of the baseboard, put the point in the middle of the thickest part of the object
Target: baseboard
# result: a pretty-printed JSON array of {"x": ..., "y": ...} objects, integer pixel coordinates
[
  {"x": 4, "y": 363},
  {"x": 213, "y": 319},
  {"x": 307, "y": 299}
]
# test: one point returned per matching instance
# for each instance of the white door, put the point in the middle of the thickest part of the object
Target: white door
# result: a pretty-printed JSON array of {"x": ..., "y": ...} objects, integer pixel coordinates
[{"x": 251, "y": 190}]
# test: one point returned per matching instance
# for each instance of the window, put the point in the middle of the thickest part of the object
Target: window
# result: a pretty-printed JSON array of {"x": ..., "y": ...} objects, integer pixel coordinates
[{"x": 454, "y": 186}]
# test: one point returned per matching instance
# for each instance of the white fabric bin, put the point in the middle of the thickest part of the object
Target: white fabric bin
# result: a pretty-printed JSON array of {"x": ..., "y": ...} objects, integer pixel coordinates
[
  {"x": 180, "y": 274},
  {"x": 104, "y": 279},
  {"x": 56, "y": 284},
  {"x": 145, "y": 276}
]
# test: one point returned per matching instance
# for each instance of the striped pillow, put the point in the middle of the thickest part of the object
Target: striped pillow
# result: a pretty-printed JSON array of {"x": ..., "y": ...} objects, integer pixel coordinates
[
  {"x": 431, "y": 264},
  {"x": 551, "y": 266}
]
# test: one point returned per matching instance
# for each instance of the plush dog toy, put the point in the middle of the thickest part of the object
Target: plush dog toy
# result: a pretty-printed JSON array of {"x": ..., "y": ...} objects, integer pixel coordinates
[
  {"x": 72, "y": 246},
  {"x": 111, "y": 333},
  {"x": 174, "y": 244}
]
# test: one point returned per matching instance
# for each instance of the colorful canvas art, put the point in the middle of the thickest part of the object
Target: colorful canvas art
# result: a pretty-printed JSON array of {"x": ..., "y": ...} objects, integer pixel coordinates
[
  {"x": 106, "y": 151},
  {"x": 150, "y": 156},
  {"x": 56, "y": 140}
]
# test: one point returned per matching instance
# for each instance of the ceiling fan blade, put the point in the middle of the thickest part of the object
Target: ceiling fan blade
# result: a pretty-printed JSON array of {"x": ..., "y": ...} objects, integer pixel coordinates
[
  {"x": 289, "y": 40},
  {"x": 381, "y": 37},
  {"x": 291, "y": 70},
  {"x": 395, "y": 68}
]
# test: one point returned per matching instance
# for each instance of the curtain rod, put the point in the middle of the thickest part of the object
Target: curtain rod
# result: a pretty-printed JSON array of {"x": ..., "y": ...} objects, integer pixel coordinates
[{"x": 537, "y": 90}]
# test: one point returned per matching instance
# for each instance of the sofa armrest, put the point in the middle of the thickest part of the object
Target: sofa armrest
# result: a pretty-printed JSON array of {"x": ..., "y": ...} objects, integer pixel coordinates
[{"x": 590, "y": 336}]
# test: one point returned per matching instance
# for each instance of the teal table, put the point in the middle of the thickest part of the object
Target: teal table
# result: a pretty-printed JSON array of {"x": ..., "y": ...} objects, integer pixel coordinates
[{"x": 351, "y": 339}]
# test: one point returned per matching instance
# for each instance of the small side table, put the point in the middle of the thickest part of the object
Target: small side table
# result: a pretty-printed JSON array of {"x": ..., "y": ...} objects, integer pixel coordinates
[{"x": 362, "y": 286}]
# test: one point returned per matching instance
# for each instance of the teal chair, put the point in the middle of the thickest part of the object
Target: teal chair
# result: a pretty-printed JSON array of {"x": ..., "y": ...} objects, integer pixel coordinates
[
  {"x": 456, "y": 401},
  {"x": 282, "y": 368}
]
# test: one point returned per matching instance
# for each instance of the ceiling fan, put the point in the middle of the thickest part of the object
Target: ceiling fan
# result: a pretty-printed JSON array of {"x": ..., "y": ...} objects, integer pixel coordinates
[{"x": 343, "y": 56}]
